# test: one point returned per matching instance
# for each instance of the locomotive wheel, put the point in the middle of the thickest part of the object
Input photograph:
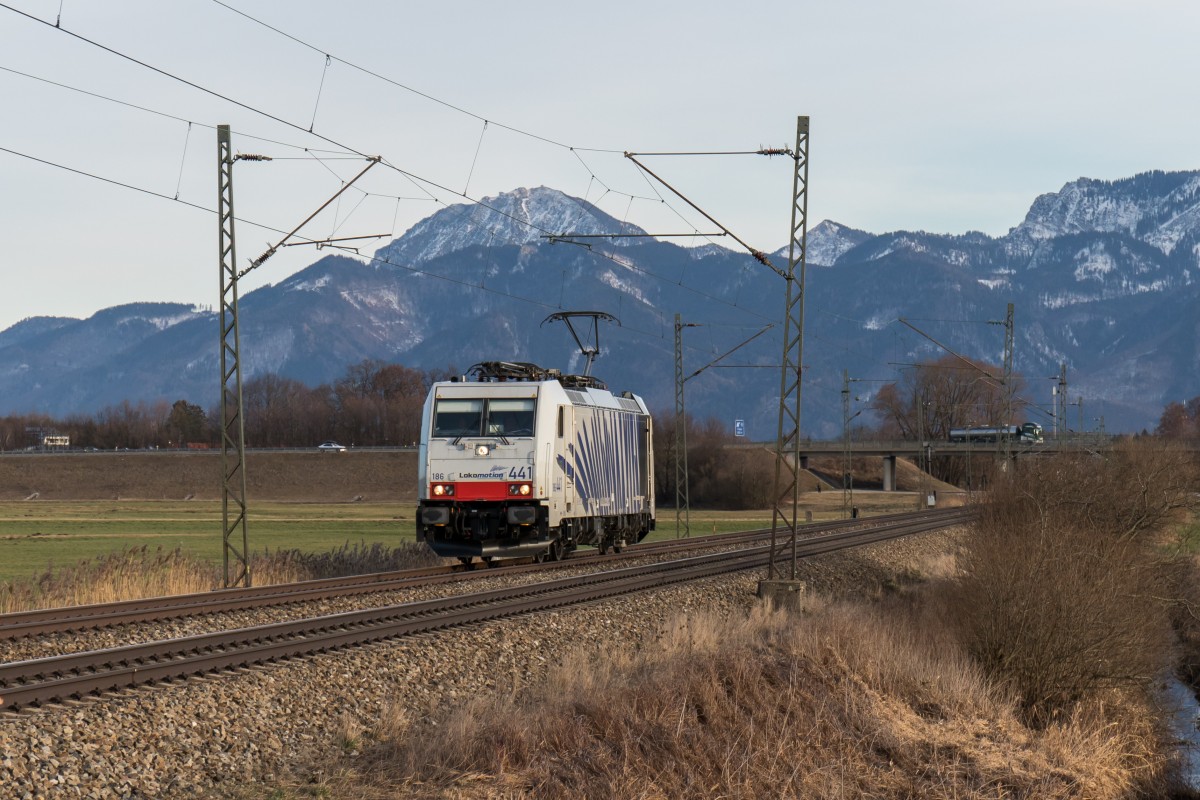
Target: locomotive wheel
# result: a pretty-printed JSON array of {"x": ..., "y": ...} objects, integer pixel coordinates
[
  {"x": 490, "y": 561},
  {"x": 556, "y": 552},
  {"x": 603, "y": 548},
  {"x": 466, "y": 560}
]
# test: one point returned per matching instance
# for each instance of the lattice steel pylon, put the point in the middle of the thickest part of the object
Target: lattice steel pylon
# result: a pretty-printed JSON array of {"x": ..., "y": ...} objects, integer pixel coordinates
[
  {"x": 787, "y": 443},
  {"x": 682, "y": 504},
  {"x": 1006, "y": 443},
  {"x": 233, "y": 429},
  {"x": 847, "y": 460}
]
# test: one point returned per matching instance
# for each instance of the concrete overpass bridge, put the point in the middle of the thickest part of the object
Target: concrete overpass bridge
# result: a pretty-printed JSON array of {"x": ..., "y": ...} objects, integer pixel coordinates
[{"x": 889, "y": 451}]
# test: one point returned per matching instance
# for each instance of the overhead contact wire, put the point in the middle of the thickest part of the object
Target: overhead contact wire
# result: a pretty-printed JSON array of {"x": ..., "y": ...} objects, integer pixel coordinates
[
  {"x": 139, "y": 189},
  {"x": 178, "y": 78},
  {"x": 405, "y": 87},
  {"x": 165, "y": 115},
  {"x": 573, "y": 149},
  {"x": 414, "y": 178}
]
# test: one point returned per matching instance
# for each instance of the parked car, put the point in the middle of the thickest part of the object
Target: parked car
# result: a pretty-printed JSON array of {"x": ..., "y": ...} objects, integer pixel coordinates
[{"x": 331, "y": 447}]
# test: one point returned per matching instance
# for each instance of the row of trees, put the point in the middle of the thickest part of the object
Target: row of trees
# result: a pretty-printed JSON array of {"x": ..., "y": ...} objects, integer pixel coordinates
[
  {"x": 373, "y": 404},
  {"x": 718, "y": 477}
]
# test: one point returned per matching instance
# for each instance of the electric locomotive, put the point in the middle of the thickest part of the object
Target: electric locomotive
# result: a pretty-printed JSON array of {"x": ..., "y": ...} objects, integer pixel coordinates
[{"x": 517, "y": 460}]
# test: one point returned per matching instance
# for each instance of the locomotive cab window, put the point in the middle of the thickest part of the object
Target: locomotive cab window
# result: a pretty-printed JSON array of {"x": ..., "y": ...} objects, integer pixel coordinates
[
  {"x": 458, "y": 417},
  {"x": 511, "y": 416},
  {"x": 497, "y": 416}
]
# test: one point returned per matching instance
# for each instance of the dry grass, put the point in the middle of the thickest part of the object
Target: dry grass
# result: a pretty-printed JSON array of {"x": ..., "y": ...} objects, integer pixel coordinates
[
  {"x": 847, "y": 701},
  {"x": 131, "y": 573},
  {"x": 139, "y": 572}
]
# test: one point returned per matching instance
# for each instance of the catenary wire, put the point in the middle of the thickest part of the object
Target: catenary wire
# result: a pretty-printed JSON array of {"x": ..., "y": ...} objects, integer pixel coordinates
[
  {"x": 413, "y": 177},
  {"x": 407, "y": 88},
  {"x": 573, "y": 149},
  {"x": 371, "y": 258},
  {"x": 164, "y": 114}
]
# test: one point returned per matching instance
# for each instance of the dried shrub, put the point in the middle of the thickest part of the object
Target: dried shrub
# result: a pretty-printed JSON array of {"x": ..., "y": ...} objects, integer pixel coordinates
[
  {"x": 1060, "y": 615},
  {"x": 1064, "y": 596},
  {"x": 1185, "y": 610},
  {"x": 1133, "y": 489}
]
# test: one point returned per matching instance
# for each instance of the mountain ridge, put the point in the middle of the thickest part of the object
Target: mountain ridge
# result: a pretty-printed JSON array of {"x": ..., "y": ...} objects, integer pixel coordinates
[{"x": 1102, "y": 273}]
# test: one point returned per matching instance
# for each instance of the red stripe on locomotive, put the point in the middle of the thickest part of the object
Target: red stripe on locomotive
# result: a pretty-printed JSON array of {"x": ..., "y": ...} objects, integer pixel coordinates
[{"x": 479, "y": 490}]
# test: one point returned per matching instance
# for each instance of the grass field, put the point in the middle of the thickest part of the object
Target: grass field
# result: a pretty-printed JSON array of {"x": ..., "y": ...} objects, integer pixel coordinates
[
  {"x": 58, "y": 511},
  {"x": 35, "y": 535}
]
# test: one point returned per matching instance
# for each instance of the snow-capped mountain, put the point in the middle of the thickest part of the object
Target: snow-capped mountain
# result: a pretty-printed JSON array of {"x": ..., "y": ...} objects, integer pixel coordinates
[
  {"x": 523, "y": 216},
  {"x": 1102, "y": 275},
  {"x": 826, "y": 243},
  {"x": 1159, "y": 208}
]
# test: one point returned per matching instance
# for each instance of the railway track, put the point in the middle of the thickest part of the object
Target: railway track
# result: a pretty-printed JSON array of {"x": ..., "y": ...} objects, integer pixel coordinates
[
  {"x": 156, "y": 609},
  {"x": 26, "y": 684}
]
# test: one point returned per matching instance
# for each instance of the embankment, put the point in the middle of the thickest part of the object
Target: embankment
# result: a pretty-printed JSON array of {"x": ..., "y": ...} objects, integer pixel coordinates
[{"x": 292, "y": 476}]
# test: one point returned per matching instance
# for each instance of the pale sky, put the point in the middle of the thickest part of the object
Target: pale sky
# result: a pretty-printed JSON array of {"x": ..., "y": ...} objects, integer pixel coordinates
[{"x": 936, "y": 115}]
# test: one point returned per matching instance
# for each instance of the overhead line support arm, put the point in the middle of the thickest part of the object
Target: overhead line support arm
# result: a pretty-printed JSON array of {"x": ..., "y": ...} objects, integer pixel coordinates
[
  {"x": 759, "y": 255},
  {"x": 271, "y": 250},
  {"x": 728, "y": 353},
  {"x": 962, "y": 358}
]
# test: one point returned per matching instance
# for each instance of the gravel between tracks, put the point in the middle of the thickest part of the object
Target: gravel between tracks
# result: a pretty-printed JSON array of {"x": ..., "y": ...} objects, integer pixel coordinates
[{"x": 204, "y": 737}]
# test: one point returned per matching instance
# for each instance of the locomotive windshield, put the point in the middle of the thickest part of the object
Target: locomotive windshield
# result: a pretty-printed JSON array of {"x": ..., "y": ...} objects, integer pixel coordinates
[
  {"x": 496, "y": 416},
  {"x": 458, "y": 418}
]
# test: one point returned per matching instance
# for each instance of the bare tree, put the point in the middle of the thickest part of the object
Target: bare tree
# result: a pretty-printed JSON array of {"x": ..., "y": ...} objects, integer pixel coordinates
[
  {"x": 131, "y": 426},
  {"x": 380, "y": 404},
  {"x": 282, "y": 412},
  {"x": 931, "y": 399}
]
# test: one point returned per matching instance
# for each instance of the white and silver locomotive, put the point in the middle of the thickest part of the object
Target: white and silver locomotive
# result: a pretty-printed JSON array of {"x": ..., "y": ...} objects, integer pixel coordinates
[{"x": 517, "y": 460}]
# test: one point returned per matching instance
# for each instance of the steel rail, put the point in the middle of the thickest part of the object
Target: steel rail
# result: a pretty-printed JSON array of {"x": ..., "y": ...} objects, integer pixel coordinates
[
  {"x": 101, "y": 615},
  {"x": 36, "y": 682}
]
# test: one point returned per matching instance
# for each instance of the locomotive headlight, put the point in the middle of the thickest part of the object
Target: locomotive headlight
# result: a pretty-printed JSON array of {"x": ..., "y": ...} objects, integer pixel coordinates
[
  {"x": 443, "y": 490},
  {"x": 482, "y": 450},
  {"x": 519, "y": 490}
]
